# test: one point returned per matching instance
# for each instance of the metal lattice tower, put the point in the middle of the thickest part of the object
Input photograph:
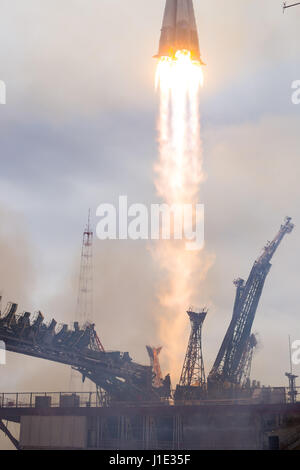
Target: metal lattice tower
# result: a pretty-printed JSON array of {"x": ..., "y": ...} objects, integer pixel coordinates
[
  {"x": 244, "y": 371},
  {"x": 84, "y": 308},
  {"x": 84, "y": 311},
  {"x": 193, "y": 373},
  {"x": 292, "y": 393},
  {"x": 228, "y": 362}
]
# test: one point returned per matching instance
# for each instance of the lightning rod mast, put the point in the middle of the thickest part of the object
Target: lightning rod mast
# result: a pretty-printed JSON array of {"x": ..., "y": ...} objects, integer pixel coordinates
[{"x": 84, "y": 308}]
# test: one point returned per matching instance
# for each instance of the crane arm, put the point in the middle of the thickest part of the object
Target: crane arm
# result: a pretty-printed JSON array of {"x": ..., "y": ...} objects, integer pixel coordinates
[{"x": 248, "y": 294}]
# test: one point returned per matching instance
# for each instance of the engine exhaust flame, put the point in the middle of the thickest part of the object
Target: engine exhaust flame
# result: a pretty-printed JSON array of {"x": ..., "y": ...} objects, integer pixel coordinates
[{"x": 178, "y": 176}]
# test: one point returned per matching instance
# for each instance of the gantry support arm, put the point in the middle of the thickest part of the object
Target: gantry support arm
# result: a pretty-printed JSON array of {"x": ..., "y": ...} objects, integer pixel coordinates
[{"x": 7, "y": 432}]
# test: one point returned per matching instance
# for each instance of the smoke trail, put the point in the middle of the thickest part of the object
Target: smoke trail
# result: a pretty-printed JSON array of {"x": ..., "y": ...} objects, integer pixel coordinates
[{"x": 179, "y": 173}]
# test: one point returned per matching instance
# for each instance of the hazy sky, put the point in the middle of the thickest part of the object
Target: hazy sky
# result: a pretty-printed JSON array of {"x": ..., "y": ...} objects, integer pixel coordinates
[{"x": 79, "y": 128}]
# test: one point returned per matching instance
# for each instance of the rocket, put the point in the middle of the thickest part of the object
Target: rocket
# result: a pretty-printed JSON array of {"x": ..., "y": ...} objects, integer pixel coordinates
[{"x": 179, "y": 30}]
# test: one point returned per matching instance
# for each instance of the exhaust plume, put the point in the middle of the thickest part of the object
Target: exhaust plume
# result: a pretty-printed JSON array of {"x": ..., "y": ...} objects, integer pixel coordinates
[{"x": 179, "y": 174}]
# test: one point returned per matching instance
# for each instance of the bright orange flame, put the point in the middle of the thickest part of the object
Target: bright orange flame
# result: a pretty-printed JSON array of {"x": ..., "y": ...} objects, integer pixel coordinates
[
  {"x": 179, "y": 174},
  {"x": 181, "y": 68}
]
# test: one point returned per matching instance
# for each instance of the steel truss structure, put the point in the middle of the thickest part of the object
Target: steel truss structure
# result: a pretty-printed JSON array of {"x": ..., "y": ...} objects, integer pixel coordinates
[
  {"x": 227, "y": 366},
  {"x": 80, "y": 348},
  {"x": 192, "y": 381}
]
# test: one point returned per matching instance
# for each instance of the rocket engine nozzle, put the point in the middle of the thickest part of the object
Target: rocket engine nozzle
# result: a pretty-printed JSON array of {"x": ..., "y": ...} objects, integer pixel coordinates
[{"x": 179, "y": 31}]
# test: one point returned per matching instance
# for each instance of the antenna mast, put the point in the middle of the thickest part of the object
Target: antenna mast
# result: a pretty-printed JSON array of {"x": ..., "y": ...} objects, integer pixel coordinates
[
  {"x": 84, "y": 308},
  {"x": 84, "y": 311},
  {"x": 285, "y": 6}
]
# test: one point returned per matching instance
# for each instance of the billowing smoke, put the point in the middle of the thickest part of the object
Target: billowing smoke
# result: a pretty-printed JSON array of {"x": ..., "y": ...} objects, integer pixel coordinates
[
  {"x": 17, "y": 281},
  {"x": 16, "y": 267}
]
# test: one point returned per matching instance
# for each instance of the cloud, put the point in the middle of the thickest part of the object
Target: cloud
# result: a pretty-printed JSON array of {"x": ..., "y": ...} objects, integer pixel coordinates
[
  {"x": 251, "y": 187},
  {"x": 84, "y": 57},
  {"x": 17, "y": 266},
  {"x": 91, "y": 57},
  {"x": 17, "y": 274}
]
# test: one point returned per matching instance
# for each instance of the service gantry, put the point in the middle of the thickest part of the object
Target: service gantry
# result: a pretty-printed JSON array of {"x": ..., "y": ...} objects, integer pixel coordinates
[
  {"x": 192, "y": 380},
  {"x": 227, "y": 366}
]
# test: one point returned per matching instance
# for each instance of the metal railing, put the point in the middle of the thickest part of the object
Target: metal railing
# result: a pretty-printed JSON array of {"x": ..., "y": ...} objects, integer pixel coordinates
[
  {"x": 50, "y": 399},
  {"x": 94, "y": 399},
  {"x": 65, "y": 400}
]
